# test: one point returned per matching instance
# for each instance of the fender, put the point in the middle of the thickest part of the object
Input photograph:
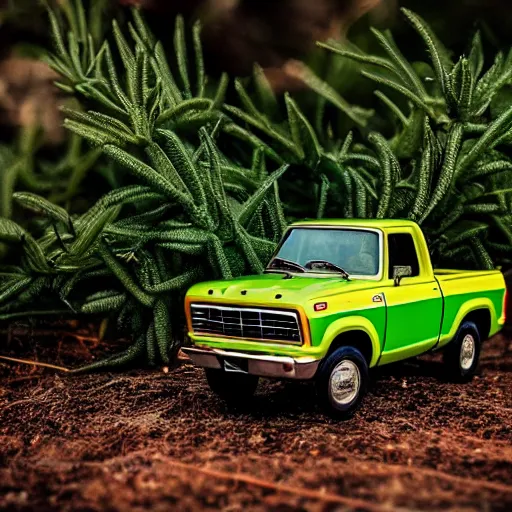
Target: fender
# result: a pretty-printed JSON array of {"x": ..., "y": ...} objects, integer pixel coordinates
[
  {"x": 352, "y": 323},
  {"x": 465, "y": 310}
]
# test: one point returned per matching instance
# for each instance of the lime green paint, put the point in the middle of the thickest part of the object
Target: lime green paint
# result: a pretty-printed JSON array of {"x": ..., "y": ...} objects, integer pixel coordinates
[
  {"x": 264, "y": 348},
  {"x": 421, "y": 314},
  {"x": 411, "y": 320},
  {"x": 372, "y": 324},
  {"x": 459, "y": 306},
  {"x": 402, "y": 353},
  {"x": 382, "y": 224},
  {"x": 262, "y": 289}
]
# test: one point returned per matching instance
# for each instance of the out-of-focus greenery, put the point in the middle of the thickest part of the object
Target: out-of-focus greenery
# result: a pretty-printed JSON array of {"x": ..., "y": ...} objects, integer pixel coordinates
[{"x": 197, "y": 164}]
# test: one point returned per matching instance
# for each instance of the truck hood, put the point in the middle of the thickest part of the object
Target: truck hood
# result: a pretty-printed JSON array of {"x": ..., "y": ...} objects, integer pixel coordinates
[{"x": 270, "y": 288}]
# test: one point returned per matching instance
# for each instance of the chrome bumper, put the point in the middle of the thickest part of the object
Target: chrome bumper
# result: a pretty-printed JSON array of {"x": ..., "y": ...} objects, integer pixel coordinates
[{"x": 264, "y": 366}]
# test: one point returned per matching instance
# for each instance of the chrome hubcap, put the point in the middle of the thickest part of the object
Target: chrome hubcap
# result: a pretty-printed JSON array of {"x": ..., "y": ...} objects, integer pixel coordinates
[
  {"x": 345, "y": 382},
  {"x": 467, "y": 352}
]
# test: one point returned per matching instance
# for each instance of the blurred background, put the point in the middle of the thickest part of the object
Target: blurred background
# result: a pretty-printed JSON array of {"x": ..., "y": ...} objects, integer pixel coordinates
[{"x": 237, "y": 33}]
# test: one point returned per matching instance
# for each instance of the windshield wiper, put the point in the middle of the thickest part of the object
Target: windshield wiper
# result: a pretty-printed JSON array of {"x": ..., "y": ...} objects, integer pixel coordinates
[
  {"x": 328, "y": 265},
  {"x": 287, "y": 263}
]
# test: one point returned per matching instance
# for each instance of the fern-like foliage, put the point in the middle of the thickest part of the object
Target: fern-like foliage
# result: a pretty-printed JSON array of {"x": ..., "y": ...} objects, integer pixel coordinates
[
  {"x": 24, "y": 168},
  {"x": 449, "y": 166},
  {"x": 138, "y": 248},
  {"x": 196, "y": 194},
  {"x": 445, "y": 167},
  {"x": 126, "y": 103},
  {"x": 56, "y": 173}
]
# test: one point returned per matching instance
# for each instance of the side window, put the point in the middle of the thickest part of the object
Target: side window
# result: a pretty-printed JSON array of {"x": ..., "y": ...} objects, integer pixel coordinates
[{"x": 402, "y": 252}]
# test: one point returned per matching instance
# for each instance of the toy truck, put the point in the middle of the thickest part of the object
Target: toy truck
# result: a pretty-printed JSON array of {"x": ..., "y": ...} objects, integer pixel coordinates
[{"x": 337, "y": 298}]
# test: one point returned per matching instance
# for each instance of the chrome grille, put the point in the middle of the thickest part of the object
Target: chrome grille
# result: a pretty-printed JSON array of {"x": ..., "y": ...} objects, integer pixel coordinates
[{"x": 251, "y": 323}]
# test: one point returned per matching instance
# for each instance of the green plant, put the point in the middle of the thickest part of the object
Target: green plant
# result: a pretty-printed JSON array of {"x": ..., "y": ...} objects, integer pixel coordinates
[
  {"x": 137, "y": 249},
  {"x": 24, "y": 168},
  {"x": 28, "y": 162},
  {"x": 451, "y": 148},
  {"x": 195, "y": 192},
  {"x": 446, "y": 165}
]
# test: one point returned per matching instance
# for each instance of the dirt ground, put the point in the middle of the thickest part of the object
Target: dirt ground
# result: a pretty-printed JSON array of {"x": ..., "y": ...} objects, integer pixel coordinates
[{"x": 162, "y": 441}]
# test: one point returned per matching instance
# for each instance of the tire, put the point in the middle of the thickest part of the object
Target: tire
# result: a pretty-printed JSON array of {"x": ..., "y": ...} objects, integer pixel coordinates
[
  {"x": 337, "y": 403},
  {"x": 233, "y": 388},
  {"x": 462, "y": 354}
]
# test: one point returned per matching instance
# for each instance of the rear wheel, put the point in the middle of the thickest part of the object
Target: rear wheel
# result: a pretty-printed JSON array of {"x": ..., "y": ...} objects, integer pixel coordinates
[
  {"x": 342, "y": 382},
  {"x": 462, "y": 354},
  {"x": 233, "y": 388}
]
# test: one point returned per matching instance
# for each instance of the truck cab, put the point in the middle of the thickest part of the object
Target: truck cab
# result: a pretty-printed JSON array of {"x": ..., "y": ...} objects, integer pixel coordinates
[{"x": 337, "y": 298}]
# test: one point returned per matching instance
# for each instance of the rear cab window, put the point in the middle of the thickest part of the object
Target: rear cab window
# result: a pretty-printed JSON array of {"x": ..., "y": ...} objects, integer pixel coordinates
[{"x": 402, "y": 252}]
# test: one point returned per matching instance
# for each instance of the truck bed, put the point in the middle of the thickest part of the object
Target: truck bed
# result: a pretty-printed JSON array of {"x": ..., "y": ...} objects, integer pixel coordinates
[{"x": 483, "y": 287}]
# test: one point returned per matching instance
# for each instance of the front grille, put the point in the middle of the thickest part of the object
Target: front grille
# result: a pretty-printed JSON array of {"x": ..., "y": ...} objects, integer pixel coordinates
[{"x": 250, "y": 323}]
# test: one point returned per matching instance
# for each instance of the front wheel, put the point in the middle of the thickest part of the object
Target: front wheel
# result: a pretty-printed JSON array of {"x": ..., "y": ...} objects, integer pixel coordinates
[
  {"x": 233, "y": 388},
  {"x": 462, "y": 354},
  {"x": 342, "y": 382}
]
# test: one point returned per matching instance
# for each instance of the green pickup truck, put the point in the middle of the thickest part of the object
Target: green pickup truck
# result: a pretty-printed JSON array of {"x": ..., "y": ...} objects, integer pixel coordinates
[{"x": 337, "y": 298}]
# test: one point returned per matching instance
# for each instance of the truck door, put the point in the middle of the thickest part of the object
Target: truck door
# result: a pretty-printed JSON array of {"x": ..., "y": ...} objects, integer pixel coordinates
[{"x": 414, "y": 307}]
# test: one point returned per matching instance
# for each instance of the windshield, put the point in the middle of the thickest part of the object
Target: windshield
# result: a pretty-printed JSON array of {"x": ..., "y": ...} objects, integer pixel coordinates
[{"x": 355, "y": 251}]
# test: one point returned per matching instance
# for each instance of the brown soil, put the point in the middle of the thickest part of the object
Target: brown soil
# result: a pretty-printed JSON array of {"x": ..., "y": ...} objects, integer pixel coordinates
[{"x": 160, "y": 441}]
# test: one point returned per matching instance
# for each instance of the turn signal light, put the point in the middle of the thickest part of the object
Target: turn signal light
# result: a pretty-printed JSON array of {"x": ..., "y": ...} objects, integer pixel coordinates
[{"x": 320, "y": 306}]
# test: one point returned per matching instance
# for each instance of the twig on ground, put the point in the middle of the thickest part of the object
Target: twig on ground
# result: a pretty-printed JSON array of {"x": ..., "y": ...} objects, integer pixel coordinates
[
  {"x": 35, "y": 363},
  {"x": 355, "y": 503}
]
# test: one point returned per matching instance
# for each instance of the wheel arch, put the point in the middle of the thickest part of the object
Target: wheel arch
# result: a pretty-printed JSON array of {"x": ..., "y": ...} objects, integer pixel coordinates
[
  {"x": 482, "y": 309},
  {"x": 357, "y": 339},
  {"x": 357, "y": 332},
  {"x": 482, "y": 318}
]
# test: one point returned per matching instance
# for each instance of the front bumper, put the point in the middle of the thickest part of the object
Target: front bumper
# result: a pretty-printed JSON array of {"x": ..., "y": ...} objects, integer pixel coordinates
[{"x": 282, "y": 367}]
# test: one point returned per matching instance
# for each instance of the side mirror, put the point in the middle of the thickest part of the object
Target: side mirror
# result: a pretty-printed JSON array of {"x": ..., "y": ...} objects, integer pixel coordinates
[{"x": 400, "y": 272}]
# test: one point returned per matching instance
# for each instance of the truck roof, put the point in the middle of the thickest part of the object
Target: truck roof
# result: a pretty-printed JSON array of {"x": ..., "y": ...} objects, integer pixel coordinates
[{"x": 363, "y": 223}]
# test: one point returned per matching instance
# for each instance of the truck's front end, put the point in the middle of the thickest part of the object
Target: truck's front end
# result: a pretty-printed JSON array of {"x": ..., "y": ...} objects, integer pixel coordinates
[
  {"x": 245, "y": 325},
  {"x": 274, "y": 325}
]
